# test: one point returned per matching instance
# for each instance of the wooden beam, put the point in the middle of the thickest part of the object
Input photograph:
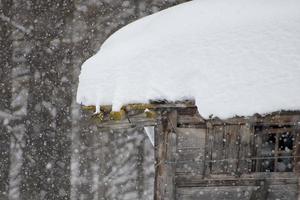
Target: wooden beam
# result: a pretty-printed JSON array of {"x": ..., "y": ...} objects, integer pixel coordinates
[
  {"x": 276, "y": 178},
  {"x": 297, "y": 152},
  {"x": 278, "y": 130},
  {"x": 165, "y": 150}
]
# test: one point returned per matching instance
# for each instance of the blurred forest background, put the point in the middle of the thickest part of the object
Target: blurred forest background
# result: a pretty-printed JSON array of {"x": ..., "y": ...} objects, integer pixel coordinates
[{"x": 46, "y": 151}]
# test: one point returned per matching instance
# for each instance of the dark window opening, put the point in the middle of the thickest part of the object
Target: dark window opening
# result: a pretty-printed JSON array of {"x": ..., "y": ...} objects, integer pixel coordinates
[{"x": 274, "y": 149}]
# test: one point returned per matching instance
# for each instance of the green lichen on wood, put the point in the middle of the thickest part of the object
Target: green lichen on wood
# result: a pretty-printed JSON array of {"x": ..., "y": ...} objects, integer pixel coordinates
[
  {"x": 106, "y": 108},
  {"x": 117, "y": 115},
  {"x": 98, "y": 117},
  {"x": 139, "y": 106},
  {"x": 150, "y": 113},
  {"x": 89, "y": 108}
]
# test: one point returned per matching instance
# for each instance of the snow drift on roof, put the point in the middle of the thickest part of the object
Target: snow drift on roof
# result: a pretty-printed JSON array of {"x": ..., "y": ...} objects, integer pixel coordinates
[{"x": 235, "y": 57}]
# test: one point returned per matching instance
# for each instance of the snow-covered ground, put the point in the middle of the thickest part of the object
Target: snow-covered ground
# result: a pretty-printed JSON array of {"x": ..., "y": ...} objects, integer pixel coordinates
[{"x": 235, "y": 57}]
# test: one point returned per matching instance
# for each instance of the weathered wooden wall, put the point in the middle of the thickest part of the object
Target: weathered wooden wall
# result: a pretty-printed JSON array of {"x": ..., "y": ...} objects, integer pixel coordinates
[
  {"x": 215, "y": 159},
  {"x": 194, "y": 158}
]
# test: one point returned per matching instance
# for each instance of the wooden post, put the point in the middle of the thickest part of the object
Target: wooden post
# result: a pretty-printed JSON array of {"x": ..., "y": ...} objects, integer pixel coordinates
[
  {"x": 298, "y": 187},
  {"x": 297, "y": 151},
  {"x": 165, "y": 150},
  {"x": 297, "y": 159}
]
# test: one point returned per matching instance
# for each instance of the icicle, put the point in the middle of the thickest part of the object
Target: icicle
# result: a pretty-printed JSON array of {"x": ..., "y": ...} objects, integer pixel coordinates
[
  {"x": 97, "y": 109},
  {"x": 150, "y": 133}
]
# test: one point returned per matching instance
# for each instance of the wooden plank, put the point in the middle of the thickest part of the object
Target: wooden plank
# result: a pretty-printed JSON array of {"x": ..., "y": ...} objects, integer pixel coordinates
[
  {"x": 190, "y": 138},
  {"x": 214, "y": 193},
  {"x": 187, "y": 120},
  {"x": 297, "y": 152},
  {"x": 232, "y": 140},
  {"x": 191, "y": 111},
  {"x": 218, "y": 150},
  {"x": 208, "y": 150},
  {"x": 257, "y": 152},
  {"x": 232, "y": 182},
  {"x": 238, "y": 192},
  {"x": 190, "y": 150},
  {"x": 282, "y": 118},
  {"x": 246, "y": 135},
  {"x": 283, "y": 192},
  {"x": 277, "y": 130},
  {"x": 245, "y": 179},
  {"x": 276, "y": 118},
  {"x": 276, "y": 152},
  {"x": 165, "y": 149}
]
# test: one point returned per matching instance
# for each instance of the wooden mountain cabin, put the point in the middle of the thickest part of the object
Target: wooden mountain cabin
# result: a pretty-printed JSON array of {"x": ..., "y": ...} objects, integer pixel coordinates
[{"x": 251, "y": 158}]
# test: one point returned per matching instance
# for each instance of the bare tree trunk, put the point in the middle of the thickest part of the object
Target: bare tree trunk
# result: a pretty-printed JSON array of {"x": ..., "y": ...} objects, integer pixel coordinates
[
  {"x": 46, "y": 166},
  {"x": 16, "y": 161},
  {"x": 5, "y": 96},
  {"x": 19, "y": 105}
]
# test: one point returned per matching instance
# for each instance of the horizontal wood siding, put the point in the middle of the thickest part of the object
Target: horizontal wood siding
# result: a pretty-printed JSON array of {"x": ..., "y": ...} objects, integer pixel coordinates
[
  {"x": 215, "y": 193},
  {"x": 282, "y": 192}
]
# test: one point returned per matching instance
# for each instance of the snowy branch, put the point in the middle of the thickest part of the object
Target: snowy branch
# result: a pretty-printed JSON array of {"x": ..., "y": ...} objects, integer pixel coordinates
[{"x": 15, "y": 24}]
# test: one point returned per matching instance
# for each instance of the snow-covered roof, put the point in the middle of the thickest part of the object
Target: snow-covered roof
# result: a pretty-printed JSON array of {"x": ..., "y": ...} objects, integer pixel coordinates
[{"x": 234, "y": 57}]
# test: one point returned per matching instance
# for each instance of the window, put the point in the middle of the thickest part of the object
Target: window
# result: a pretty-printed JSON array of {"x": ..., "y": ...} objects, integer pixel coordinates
[{"x": 274, "y": 148}]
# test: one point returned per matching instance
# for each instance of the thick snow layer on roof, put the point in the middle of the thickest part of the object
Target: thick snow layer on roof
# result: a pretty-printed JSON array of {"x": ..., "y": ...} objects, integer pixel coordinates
[{"x": 234, "y": 57}]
